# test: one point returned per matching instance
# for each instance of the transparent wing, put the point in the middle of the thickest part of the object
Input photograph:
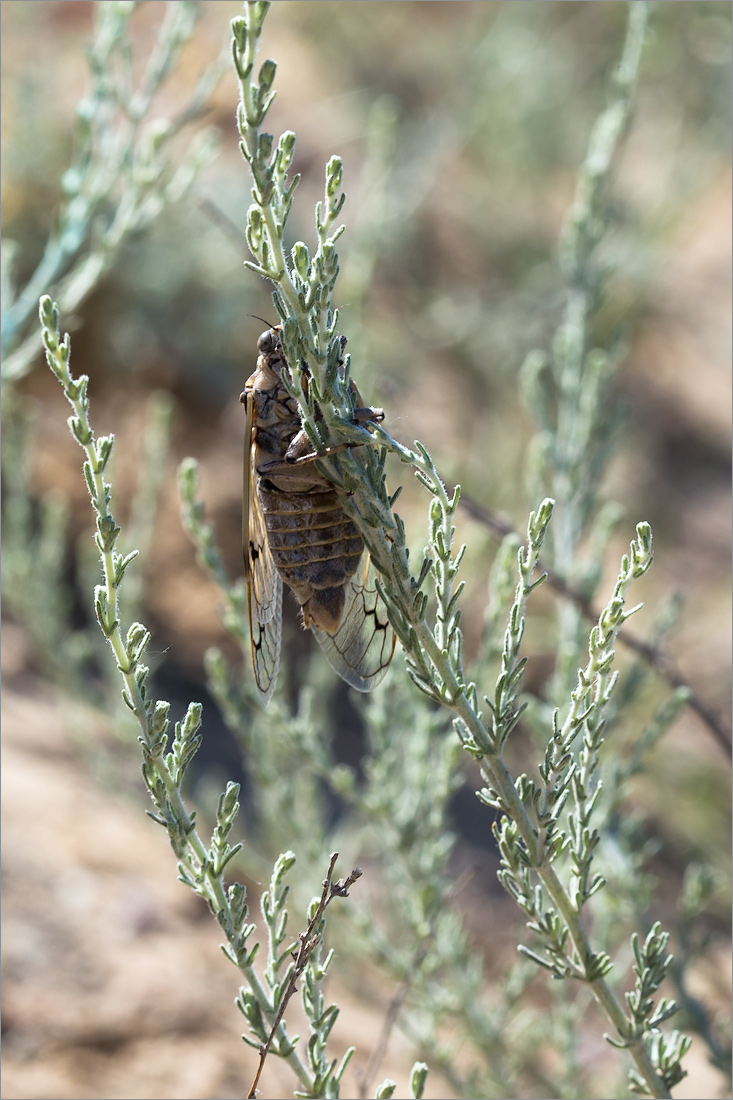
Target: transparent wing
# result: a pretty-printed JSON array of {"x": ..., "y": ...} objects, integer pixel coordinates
[
  {"x": 362, "y": 647},
  {"x": 264, "y": 587}
]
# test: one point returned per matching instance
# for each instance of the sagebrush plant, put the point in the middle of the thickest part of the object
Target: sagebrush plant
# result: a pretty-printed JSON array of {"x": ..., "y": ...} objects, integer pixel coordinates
[
  {"x": 202, "y": 866},
  {"x": 551, "y": 829},
  {"x": 127, "y": 168},
  {"x": 546, "y": 847}
]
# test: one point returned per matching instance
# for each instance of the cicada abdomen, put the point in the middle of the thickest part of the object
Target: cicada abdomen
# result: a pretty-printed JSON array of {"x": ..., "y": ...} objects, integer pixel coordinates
[{"x": 295, "y": 530}]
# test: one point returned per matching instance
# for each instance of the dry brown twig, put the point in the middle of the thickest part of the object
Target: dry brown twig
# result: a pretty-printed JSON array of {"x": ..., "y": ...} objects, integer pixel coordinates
[{"x": 307, "y": 942}]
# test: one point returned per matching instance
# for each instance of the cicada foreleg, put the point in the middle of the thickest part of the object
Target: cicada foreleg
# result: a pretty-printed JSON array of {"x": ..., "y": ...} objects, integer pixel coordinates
[{"x": 301, "y": 450}]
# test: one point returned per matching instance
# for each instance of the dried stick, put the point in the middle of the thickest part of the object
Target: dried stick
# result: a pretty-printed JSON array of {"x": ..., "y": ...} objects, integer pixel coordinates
[{"x": 308, "y": 942}]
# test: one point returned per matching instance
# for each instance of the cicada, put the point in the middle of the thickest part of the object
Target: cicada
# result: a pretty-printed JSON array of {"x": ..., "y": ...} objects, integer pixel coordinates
[{"x": 295, "y": 531}]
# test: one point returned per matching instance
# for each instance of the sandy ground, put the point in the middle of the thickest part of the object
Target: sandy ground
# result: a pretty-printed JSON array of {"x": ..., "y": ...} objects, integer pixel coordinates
[{"x": 114, "y": 984}]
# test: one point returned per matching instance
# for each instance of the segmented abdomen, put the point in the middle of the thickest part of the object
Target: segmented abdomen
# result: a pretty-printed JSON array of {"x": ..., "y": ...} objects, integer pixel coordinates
[{"x": 316, "y": 548}]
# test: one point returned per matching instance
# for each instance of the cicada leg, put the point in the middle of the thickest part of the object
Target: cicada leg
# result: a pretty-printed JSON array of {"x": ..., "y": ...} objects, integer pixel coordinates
[{"x": 299, "y": 452}]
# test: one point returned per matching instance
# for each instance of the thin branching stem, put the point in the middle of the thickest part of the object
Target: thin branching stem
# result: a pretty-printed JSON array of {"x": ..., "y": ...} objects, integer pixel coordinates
[
  {"x": 654, "y": 655},
  {"x": 200, "y": 867},
  {"x": 432, "y": 646}
]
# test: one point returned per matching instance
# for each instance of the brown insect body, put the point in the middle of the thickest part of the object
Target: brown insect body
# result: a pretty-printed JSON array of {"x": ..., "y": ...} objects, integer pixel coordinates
[
  {"x": 314, "y": 545},
  {"x": 296, "y": 531}
]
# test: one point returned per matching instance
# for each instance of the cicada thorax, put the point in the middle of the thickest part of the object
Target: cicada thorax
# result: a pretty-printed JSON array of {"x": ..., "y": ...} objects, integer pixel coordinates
[{"x": 315, "y": 547}]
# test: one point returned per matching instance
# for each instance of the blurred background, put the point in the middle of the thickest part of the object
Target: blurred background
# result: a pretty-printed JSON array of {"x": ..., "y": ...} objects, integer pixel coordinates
[{"x": 461, "y": 126}]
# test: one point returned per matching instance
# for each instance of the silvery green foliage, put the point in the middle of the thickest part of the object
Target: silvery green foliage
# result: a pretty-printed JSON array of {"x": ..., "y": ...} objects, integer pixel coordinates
[
  {"x": 122, "y": 176},
  {"x": 33, "y": 560},
  {"x": 547, "y": 833},
  {"x": 551, "y": 825},
  {"x": 398, "y": 810},
  {"x": 123, "y": 173},
  {"x": 567, "y": 390},
  {"x": 38, "y": 591},
  {"x": 166, "y": 760}
]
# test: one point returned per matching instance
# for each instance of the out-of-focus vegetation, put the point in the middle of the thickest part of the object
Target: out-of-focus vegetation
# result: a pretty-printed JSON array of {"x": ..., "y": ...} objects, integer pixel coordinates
[
  {"x": 483, "y": 121},
  {"x": 461, "y": 126}
]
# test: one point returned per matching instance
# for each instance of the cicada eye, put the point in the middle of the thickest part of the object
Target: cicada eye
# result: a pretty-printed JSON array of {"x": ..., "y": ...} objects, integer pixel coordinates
[{"x": 267, "y": 342}]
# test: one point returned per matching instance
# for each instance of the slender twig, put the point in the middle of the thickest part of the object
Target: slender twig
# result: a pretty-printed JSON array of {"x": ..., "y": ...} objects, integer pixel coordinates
[
  {"x": 396, "y": 1002},
  {"x": 222, "y": 221},
  {"x": 308, "y": 942},
  {"x": 400, "y": 994},
  {"x": 652, "y": 654}
]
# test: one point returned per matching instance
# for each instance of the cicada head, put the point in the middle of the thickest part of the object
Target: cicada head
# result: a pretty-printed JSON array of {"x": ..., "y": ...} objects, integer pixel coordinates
[
  {"x": 271, "y": 359},
  {"x": 269, "y": 341}
]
